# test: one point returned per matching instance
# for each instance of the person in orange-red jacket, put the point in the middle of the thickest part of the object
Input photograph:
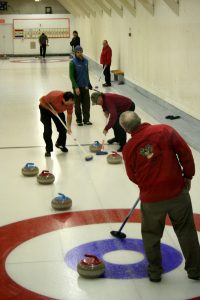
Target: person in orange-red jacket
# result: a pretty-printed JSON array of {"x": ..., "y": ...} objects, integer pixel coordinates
[
  {"x": 105, "y": 60},
  {"x": 56, "y": 102}
]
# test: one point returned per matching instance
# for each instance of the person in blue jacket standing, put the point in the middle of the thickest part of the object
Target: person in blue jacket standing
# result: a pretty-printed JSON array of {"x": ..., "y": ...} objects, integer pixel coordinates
[{"x": 79, "y": 76}]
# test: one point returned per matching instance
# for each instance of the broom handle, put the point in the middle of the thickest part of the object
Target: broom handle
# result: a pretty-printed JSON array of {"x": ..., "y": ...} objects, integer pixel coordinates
[
  {"x": 129, "y": 214},
  {"x": 67, "y": 129},
  {"x": 102, "y": 72},
  {"x": 103, "y": 140}
]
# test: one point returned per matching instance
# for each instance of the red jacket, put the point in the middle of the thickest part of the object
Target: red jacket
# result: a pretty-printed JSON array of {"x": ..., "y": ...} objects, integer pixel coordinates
[
  {"x": 106, "y": 56},
  {"x": 115, "y": 104},
  {"x": 55, "y": 98},
  {"x": 157, "y": 159}
]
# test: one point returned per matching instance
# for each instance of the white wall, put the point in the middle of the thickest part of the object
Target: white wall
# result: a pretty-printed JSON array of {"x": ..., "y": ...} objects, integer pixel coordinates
[
  {"x": 22, "y": 46},
  {"x": 163, "y": 54}
]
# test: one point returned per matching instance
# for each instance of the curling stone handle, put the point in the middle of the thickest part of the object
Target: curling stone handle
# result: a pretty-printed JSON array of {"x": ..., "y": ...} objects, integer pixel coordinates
[
  {"x": 114, "y": 153},
  {"x": 45, "y": 172},
  {"x": 92, "y": 256}
]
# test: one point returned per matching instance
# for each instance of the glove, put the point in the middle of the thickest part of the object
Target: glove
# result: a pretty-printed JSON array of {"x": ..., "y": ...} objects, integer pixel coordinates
[{"x": 90, "y": 86}]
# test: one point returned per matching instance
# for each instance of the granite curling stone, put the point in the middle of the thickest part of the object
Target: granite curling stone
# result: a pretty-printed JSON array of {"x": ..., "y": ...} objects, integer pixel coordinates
[
  {"x": 61, "y": 202},
  {"x": 114, "y": 158},
  {"x": 30, "y": 170},
  {"x": 96, "y": 146},
  {"x": 45, "y": 177},
  {"x": 90, "y": 267}
]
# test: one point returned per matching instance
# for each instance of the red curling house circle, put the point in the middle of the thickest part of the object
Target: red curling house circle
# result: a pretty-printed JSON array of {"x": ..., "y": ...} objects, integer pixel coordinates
[{"x": 12, "y": 235}]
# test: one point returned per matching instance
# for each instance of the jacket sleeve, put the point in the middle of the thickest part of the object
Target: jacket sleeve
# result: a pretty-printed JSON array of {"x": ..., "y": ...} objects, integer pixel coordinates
[
  {"x": 89, "y": 83},
  {"x": 113, "y": 116},
  {"x": 101, "y": 58},
  {"x": 128, "y": 157},
  {"x": 108, "y": 56},
  {"x": 184, "y": 154},
  {"x": 72, "y": 42},
  {"x": 72, "y": 75}
]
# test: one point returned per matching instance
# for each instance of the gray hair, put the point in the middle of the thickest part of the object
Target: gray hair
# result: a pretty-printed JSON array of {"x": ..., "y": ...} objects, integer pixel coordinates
[{"x": 129, "y": 120}]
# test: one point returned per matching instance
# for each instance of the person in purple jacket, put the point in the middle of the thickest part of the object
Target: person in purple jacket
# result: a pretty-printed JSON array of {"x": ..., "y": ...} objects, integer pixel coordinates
[{"x": 113, "y": 105}]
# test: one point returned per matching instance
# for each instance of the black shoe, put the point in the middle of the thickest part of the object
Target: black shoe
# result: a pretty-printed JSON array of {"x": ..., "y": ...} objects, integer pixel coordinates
[
  {"x": 155, "y": 277},
  {"x": 80, "y": 124},
  {"x": 62, "y": 148},
  {"x": 194, "y": 277},
  {"x": 106, "y": 84},
  {"x": 120, "y": 149},
  {"x": 47, "y": 154},
  {"x": 171, "y": 117},
  {"x": 111, "y": 141},
  {"x": 87, "y": 123}
]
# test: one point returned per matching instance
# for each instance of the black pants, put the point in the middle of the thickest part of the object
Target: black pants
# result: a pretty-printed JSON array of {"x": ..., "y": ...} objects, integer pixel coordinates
[
  {"x": 119, "y": 132},
  {"x": 43, "y": 50},
  {"x": 45, "y": 117},
  {"x": 82, "y": 105},
  {"x": 106, "y": 73}
]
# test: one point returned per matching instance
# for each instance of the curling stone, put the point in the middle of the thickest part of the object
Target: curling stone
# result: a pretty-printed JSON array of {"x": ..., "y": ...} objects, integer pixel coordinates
[
  {"x": 45, "y": 177},
  {"x": 61, "y": 202},
  {"x": 114, "y": 158},
  {"x": 96, "y": 146},
  {"x": 90, "y": 267},
  {"x": 30, "y": 170}
]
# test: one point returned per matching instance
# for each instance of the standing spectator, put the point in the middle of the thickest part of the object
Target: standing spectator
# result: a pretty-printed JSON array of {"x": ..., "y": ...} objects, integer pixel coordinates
[
  {"x": 43, "y": 40},
  {"x": 113, "y": 105},
  {"x": 105, "y": 60},
  {"x": 160, "y": 162},
  {"x": 79, "y": 75},
  {"x": 75, "y": 40},
  {"x": 60, "y": 102}
]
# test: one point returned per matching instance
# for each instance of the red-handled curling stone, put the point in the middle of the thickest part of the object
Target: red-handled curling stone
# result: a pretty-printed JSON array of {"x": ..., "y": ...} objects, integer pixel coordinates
[
  {"x": 91, "y": 267},
  {"x": 30, "y": 169},
  {"x": 61, "y": 202},
  {"x": 96, "y": 146},
  {"x": 114, "y": 158},
  {"x": 45, "y": 177}
]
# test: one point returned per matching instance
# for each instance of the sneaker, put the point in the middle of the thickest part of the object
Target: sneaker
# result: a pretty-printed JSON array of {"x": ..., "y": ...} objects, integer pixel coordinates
[
  {"x": 47, "y": 154},
  {"x": 194, "y": 277},
  {"x": 62, "y": 148},
  {"x": 80, "y": 124},
  {"x": 106, "y": 84},
  {"x": 87, "y": 123},
  {"x": 120, "y": 149},
  {"x": 111, "y": 141},
  {"x": 155, "y": 277}
]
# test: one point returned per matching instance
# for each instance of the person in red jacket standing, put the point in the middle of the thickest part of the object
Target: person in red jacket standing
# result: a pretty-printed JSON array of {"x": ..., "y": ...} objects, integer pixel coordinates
[
  {"x": 105, "y": 60},
  {"x": 160, "y": 162}
]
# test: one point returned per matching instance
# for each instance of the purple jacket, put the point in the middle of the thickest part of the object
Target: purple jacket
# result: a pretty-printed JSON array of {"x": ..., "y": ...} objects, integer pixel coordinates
[{"x": 115, "y": 104}]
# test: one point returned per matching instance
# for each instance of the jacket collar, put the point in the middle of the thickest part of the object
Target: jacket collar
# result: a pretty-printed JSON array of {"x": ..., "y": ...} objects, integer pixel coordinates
[{"x": 140, "y": 128}]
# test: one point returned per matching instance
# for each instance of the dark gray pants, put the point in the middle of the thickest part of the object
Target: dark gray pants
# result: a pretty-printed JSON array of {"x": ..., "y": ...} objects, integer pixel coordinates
[
  {"x": 82, "y": 106},
  {"x": 180, "y": 212},
  {"x": 119, "y": 132}
]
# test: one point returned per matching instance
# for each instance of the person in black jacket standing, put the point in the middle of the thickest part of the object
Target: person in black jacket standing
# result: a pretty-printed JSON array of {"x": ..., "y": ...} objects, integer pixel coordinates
[{"x": 75, "y": 40}]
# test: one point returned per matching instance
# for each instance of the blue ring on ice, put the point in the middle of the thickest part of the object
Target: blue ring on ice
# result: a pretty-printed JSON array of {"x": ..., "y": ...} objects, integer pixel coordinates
[{"x": 171, "y": 258}]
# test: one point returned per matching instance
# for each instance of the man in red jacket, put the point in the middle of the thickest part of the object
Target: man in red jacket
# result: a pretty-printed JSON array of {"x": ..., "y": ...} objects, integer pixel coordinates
[
  {"x": 105, "y": 60},
  {"x": 160, "y": 162},
  {"x": 113, "y": 105}
]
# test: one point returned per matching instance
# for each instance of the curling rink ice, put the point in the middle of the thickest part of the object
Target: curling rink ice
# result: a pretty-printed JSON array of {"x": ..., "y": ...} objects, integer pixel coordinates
[{"x": 39, "y": 246}]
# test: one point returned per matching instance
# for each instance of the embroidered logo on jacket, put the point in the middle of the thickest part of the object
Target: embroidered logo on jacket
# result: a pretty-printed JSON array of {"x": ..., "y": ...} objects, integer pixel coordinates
[{"x": 147, "y": 151}]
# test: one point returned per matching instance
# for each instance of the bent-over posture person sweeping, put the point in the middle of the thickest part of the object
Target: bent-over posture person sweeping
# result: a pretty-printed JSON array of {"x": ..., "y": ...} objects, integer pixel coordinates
[{"x": 52, "y": 103}]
